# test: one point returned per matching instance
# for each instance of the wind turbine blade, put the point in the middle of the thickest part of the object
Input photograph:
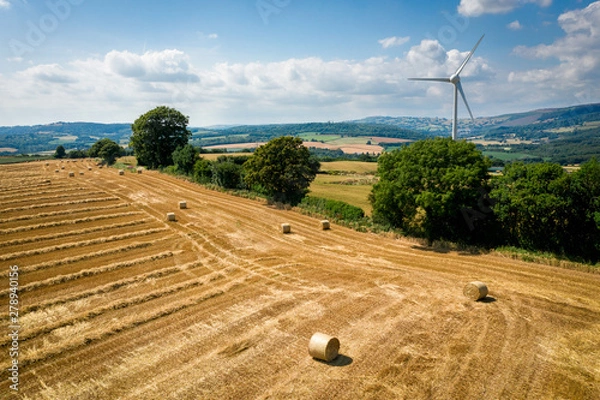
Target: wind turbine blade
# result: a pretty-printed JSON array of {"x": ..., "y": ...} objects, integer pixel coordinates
[
  {"x": 463, "y": 65},
  {"x": 462, "y": 93},
  {"x": 447, "y": 80}
]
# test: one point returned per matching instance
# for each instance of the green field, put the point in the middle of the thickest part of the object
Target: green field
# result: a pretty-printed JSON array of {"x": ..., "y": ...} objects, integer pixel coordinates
[
  {"x": 348, "y": 181},
  {"x": 355, "y": 167},
  {"x": 316, "y": 137},
  {"x": 20, "y": 159},
  {"x": 506, "y": 156}
]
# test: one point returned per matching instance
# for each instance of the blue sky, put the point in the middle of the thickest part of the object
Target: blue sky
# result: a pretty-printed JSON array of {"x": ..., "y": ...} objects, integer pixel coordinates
[{"x": 272, "y": 61}]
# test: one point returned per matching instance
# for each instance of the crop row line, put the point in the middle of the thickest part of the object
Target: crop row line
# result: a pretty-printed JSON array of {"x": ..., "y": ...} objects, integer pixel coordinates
[
  {"x": 89, "y": 256},
  {"x": 20, "y": 185},
  {"x": 111, "y": 287},
  {"x": 39, "y": 197},
  {"x": 62, "y": 212},
  {"x": 55, "y": 224},
  {"x": 73, "y": 233},
  {"x": 94, "y": 271},
  {"x": 118, "y": 327},
  {"x": 63, "y": 203},
  {"x": 83, "y": 243},
  {"x": 113, "y": 306},
  {"x": 61, "y": 189}
]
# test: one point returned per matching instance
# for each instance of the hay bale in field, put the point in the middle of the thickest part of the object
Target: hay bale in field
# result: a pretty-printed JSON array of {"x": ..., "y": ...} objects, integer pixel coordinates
[
  {"x": 71, "y": 174},
  {"x": 286, "y": 228},
  {"x": 139, "y": 170},
  {"x": 171, "y": 217},
  {"x": 475, "y": 290},
  {"x": 62, "y": 167},
  {"x": 57, "y": 170},
  {"x": 81, "y": 173},
  {"x": 325, "y": 225},
  {"x": 121, "y": 172},
  {"x": 89, "y": 168},
  {"x": 182, "y": 205},
  {"x": 47, "y": 164},
  {"x": 323, "y": 347}
]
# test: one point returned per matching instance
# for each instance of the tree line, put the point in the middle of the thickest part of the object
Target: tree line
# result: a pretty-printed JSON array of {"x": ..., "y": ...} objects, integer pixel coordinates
[{"x": 440, "y": 189}]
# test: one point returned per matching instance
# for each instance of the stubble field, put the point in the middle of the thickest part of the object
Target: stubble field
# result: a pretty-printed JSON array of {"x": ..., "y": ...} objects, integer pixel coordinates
[{"x": 118, "y": 303}]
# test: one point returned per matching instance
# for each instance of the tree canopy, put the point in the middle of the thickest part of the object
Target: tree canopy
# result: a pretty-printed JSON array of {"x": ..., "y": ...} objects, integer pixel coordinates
[
  {"x": 184, "y": 158},
  {"x": 157, "y": 134},
  {"x": 60, "y": 152},
  {"x": 425, "y": 188},
  {"x": 541, "y": 207},
  {"x": 283, "y": 169},
  {"x": 106, "y": 149}
]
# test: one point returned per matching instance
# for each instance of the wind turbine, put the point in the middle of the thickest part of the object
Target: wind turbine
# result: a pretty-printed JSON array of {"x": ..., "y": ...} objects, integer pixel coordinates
[{"x": 455, "y": 80}]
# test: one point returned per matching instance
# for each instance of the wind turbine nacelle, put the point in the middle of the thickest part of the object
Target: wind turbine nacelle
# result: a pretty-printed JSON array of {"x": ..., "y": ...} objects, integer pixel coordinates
[{"x": 454, "y": 79}]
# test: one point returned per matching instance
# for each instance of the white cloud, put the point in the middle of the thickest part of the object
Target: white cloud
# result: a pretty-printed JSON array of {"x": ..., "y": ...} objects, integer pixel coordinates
[
  {"x": 4, "y": 4},
  {"x": 578, "y": 52},
  {"x": 573, "y": 76},
  {"x": 164, "y": 66},
  {"x": 122, "y": 85},
  {"x": 394, "y": 41},
  {"x": 50, "y": 73},
  {"x": 211, "y": 36},
  {"x": 515, "y": 26},
  {"x": 475, "y": 8}
]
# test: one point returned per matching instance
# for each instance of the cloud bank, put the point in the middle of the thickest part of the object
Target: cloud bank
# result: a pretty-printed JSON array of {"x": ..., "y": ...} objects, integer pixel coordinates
[{"x": 475, "y": 8}]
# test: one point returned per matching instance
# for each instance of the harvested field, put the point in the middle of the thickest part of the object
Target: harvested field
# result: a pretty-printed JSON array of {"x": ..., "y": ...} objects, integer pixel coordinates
[{"x": 117, "y": 303}]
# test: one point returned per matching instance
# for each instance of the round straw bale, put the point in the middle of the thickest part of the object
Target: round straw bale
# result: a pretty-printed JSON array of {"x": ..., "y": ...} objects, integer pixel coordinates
[
  {"x": 57, "y": 171},
  {"x": 323, "y": 347},
  {"x": 81, "y": 173},
  {"x": 89, "y": 168},
  {"x": 475, "y": 290},
  {"x": 171, "y": 217},
  {"x": 325, "y": 225},
  {"x": 71, "y": 174},
  {"x": 62, "y": 167},
  {"x": 121, "y": 172},
  {"x": 286, "y": 228},
  {"x": 182, "y": 205},
  {"x": 139, "y": 170}
]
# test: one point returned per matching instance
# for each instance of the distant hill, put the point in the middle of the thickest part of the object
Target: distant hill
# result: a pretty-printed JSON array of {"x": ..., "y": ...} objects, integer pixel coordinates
[
  {"x": 72, "y": 135},
  {"x": 565, "y": 135}
]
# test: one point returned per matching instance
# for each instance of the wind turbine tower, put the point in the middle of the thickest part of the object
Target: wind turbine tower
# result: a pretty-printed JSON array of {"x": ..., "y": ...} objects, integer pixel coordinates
[{"x": 455, "y": 80}]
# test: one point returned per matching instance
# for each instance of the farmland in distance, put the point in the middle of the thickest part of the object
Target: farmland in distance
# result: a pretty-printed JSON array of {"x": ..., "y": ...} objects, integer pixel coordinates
[{"x": 116, "y": 302}]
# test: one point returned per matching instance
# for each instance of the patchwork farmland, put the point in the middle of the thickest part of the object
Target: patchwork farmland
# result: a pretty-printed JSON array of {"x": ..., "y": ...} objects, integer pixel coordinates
[{"x": 117, "y": 302}]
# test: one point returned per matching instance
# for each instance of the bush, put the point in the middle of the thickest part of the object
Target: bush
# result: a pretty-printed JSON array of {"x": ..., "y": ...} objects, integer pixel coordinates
[
  {"x": 203, "y": 171},
  {"x": 227, "y": 175},
  {"x": 333, "y": 209}
]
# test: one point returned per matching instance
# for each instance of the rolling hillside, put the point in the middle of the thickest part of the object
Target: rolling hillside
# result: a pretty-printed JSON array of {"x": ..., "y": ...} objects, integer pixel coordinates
[
  {"x": 117, "y": 302},
  {"x": 566, "y": 135}
]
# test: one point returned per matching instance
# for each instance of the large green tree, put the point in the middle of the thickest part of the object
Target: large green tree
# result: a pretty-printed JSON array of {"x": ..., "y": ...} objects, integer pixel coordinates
[
  {"x": 157, "y": 134},
  {"x": 283, "y": 169},
  {"x": 107, "y": 149},
  {"x": 435, "y": 189}
]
